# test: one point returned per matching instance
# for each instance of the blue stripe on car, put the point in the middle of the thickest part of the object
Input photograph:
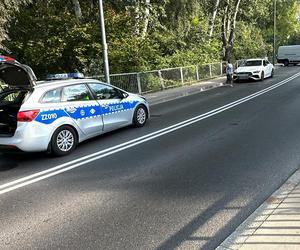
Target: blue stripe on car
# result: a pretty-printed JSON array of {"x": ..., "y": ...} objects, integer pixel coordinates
[{"x": 78, "y": 113}]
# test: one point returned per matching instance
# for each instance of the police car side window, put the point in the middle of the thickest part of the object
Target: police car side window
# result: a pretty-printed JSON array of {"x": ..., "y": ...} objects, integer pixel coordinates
[
  {"x": 104, "y": 92},
  {"x": 75, "y": 93},
  {"x": 52, "y": 96}
]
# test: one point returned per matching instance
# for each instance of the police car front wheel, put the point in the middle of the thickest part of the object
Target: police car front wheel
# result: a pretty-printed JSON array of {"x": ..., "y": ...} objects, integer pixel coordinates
[
  {"x": 140, "y": 116},
  {"x": 64, "y": 141}
]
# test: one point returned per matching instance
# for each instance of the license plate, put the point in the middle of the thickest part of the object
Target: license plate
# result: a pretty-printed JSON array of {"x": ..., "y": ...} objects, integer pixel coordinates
[{"x": 244, "y": 76}]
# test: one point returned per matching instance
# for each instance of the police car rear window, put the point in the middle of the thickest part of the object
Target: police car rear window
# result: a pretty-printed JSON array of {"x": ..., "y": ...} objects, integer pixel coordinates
[
  {"x": 75, "y": 93},
  {"x": 52, "y": 96}
]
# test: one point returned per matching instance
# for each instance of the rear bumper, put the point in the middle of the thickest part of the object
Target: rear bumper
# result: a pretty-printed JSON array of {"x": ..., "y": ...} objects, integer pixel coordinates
[
  {"x": 29, "y": 137},
  {"x": 9, "y": 149}
]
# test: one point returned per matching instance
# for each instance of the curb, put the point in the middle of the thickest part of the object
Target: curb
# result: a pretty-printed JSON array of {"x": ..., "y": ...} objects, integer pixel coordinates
[
  {"x": 155, "y": 99},
  {"x": 236, "y": 240}
]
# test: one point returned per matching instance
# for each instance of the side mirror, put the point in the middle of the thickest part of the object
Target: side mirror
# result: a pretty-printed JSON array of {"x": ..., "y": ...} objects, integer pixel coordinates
[{"x": 123, "y": 95}]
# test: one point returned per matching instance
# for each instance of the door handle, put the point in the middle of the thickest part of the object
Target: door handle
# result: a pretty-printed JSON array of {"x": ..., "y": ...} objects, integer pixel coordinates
[{"x": 71, "y": 109}]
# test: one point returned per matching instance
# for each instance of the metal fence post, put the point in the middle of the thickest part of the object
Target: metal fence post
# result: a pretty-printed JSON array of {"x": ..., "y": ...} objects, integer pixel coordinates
[
  {"x": 181, "y": 75},
  {"x": 210, "y": 70},
  {"x": 197, "y": 73},
  {"x": 139, "y": 85},
  {"x": 221, "y": 68},
  {"x": 161, "y": 80}
]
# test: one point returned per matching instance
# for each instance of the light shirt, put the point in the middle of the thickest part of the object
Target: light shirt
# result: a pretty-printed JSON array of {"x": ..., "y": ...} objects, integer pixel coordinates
[{"x": 229, "y": 69}]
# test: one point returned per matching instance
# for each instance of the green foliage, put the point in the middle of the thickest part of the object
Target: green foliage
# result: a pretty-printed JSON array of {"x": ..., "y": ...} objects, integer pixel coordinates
[
  {"x": 54, "y": 41},
  {"x": 133, "y": 54},
  {"x": 250, "y": 42},
  {"x": 151, "y": 81},
  {"x": 165, "y": 33}
]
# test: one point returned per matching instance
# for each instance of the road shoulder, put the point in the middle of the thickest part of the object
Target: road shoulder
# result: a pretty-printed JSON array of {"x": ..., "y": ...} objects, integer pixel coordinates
[
  {"x": 274, "y": 225},
  {"x": 174, "y": 93}
]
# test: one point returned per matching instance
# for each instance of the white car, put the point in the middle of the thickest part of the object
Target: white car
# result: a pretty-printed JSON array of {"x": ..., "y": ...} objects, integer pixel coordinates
[
  {"x": 56, "y": 115},
  {"x": 254, "y": 69}
]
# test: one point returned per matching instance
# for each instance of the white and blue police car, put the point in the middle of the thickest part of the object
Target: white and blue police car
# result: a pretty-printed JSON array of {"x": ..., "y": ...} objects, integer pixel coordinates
[{"x": 57, "y": 114}]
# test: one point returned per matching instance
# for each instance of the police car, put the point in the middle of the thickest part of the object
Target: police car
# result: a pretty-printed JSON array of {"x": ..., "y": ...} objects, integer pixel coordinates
[
  {"x": 57, "y": 114},
  {"x": 254, "y": 69}
]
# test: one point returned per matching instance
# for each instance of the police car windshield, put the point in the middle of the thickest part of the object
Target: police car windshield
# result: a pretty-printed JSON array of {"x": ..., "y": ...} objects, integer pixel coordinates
[{"x": 253, "y": 63}]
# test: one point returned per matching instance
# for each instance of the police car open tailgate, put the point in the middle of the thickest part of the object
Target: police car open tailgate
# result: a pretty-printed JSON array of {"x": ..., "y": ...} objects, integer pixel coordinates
[{"x": 16, "y": 74}]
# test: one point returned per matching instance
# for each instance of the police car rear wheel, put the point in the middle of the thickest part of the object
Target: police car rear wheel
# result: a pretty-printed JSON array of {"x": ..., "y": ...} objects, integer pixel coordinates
[
  {"x": 64, "y": 141},
  {"x": 140, "y": 116}
]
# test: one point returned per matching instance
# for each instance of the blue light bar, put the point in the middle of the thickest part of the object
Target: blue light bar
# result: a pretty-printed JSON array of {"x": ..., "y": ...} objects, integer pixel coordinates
[{"x": 64, "y": 76}]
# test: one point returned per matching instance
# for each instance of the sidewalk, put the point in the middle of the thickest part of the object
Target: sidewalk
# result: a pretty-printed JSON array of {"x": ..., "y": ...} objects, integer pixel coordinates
[
  {"x": 174, "y": 93},
  {"x": 274, "y": 225}
]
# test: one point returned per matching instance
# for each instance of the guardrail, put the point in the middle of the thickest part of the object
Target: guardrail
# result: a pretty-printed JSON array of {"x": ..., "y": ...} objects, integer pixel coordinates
[{"x": 156, "y": 80}]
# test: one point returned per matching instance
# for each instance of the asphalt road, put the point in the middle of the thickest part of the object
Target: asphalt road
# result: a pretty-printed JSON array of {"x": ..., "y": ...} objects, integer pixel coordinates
[{"x": 185, "y": 189}]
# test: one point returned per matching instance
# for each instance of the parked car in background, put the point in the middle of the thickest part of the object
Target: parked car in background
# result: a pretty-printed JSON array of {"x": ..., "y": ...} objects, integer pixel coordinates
[
  {"x": 254, "y": 69},
  {"x": 289, "y": 55}
]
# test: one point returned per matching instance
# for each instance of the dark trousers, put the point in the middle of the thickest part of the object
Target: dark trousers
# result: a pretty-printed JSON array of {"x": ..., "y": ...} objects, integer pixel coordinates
[{"x": 229, "y": 79}]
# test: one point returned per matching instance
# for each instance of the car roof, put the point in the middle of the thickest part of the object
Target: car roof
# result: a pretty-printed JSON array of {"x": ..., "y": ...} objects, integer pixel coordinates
[
  {"x": 256, "y": 59},
  {"x": 61, "y": 83}
]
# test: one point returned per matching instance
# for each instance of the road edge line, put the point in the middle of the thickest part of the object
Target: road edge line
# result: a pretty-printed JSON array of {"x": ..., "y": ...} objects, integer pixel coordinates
[{"x": 18, "y": 183}]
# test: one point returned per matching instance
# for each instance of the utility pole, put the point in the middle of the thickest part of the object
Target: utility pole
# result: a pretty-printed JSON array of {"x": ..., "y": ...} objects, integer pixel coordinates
[
  {"x": 274, "y": 32},
  {"x": 104, "y": 43}
]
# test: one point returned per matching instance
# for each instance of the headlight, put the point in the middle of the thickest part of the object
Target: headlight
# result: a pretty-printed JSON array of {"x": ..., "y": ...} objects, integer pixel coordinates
[{"x": 256, "y": 72}]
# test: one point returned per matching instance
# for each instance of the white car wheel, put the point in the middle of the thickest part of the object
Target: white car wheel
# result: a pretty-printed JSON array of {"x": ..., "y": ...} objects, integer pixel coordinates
[{"x": 262, "y": 77}]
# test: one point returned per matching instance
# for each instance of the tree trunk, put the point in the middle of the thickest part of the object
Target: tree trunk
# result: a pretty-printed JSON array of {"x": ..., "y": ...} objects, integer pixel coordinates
[
  {"x": 213, "y": 19},
  {"x": 137, "y": 17},
  {"x": 77, "y": 8},
  {"x": 146, "y": 18},
  {"x": 229, "y": 31},
  {"x": 224, "y": 33}
]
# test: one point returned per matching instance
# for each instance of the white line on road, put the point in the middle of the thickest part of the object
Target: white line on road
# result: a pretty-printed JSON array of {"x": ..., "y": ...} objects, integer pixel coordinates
[{"x": 28, "y": 180}]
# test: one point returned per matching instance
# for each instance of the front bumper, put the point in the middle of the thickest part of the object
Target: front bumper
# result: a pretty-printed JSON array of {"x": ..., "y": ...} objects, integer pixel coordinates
[{"x": 246, "y": 76}]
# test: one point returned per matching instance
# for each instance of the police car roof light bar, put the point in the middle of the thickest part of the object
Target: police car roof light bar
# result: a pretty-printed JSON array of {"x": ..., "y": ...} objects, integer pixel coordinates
[
  {"x": 64, "y": 76},
  {"x": 6, "y": 59}
]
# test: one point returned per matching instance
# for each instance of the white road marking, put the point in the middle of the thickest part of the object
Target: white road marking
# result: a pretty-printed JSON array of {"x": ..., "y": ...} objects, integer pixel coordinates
[{"x": 28, "y": 180}]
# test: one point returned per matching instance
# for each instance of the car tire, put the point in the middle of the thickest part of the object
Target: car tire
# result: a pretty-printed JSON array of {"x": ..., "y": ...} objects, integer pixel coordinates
[
  {"x": 64, "y": 140},
  {"x": 286, "y": 63},
  {"x": 140, "y": 116},
  {"x": 262, "y": 76}
]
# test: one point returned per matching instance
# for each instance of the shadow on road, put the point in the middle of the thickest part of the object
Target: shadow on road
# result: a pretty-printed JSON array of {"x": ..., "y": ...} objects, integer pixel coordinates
[{"x": 9, "y": 161}]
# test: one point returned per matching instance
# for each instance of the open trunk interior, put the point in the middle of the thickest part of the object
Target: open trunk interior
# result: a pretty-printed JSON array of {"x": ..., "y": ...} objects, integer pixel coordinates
[
  {"x": 10, "y": 103},
  {"x": 15, "y": 82}
]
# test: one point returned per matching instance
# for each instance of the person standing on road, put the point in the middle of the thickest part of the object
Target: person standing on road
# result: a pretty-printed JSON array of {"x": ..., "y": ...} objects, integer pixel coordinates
[{"x": 229, "y": 73}]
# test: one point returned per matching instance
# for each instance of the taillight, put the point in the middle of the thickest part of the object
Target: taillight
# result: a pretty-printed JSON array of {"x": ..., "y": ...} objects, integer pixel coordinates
[{"x": 28, "y": 116}]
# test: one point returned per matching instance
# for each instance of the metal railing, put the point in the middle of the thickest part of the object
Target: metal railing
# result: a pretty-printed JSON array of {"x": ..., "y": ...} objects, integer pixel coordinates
[{"x": 151, "y": 81}]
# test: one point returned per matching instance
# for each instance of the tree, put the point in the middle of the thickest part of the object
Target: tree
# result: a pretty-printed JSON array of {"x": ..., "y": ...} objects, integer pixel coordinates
[
  {"x": 230, "y": 13},
  {"x": 8, "y": 7},
  {"x": 213, "y": 18},
  {"x": 60, "y": 36}
]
